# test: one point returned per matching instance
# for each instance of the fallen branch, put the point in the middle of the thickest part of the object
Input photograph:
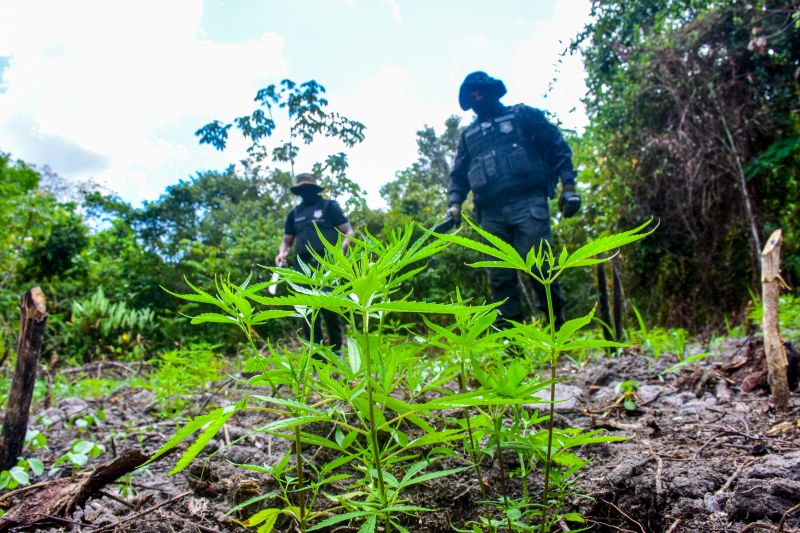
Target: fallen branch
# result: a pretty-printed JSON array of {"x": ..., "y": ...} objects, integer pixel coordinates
[{"x": 55, "y": 500}]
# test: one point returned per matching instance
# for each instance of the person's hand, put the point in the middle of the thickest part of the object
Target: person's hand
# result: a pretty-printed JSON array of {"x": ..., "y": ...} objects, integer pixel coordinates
[
  {"x": 280, "y": 259},
  {"x": 454, "y": 212},
  {"x": 570, "y": 201}
]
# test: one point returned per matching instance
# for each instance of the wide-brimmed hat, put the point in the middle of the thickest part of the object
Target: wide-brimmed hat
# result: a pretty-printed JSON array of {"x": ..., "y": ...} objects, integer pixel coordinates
[
  {"x": 491, "y": 87},
  {"x": 305, "y": 181}
]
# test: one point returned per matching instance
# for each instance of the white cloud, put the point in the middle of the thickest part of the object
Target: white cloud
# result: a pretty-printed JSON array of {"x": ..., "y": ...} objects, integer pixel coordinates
[
  {"x": 109, "y": 76},
  {"x": 537, "y": 63},
  {"x": 386, "y": 105},
  {"x": 397, "y": 17}
]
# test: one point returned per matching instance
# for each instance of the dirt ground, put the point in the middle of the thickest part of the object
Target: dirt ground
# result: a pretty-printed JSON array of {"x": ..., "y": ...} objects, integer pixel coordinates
[{"x": 707, "y": 452}]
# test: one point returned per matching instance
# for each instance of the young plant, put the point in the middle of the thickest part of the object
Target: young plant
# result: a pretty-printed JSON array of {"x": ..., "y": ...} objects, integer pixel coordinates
[
  {"x": 542, "y": 264},
  {"x": 628, "y": 394},
  {"x": 358, "y": 393}
]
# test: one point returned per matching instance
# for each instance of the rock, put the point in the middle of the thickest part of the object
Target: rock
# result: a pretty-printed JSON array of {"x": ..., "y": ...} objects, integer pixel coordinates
[{"x": 567, "y": 397}]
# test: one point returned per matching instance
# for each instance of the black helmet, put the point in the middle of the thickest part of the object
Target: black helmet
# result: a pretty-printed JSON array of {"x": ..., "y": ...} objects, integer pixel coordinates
[{"x": 491, "y": 87}]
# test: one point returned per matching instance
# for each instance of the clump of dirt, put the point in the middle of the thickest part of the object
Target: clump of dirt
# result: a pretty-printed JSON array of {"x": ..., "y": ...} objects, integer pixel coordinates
[
  {"x": 707, "y": 449},
  {"x": 706, "y": 452}
]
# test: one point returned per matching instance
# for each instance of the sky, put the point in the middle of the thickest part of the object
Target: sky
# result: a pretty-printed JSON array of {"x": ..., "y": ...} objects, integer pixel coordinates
[{"x": 113, "y": 91}]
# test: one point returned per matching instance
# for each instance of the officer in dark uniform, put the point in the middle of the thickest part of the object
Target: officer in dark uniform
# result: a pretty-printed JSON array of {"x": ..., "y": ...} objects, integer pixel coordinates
[
  {"x": 511, "y": 159},
  {"x": 300, "y": 228}
]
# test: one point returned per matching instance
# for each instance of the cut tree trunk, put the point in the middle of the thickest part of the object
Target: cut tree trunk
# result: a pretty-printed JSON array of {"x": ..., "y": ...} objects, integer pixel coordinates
[
  {"x": 53, "y": 501},
  {"x": 32, "y": 321},
  {"x": 773, "y": 344}
]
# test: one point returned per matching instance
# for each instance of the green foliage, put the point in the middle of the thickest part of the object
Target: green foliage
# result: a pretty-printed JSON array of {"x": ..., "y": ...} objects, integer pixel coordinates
[
  {"x": 628, "y": 394},
  {"x": 78, "y": 455},
  {"x": 686, "y": 100},
  {"x": 658, "y": 340},
  {"x": 179, "y": 376},
  {"x": 304, "y": 108},
  {"x": 685, "y": 361},
  {"x": 100, "y": 328},
  {"x": 386, "y": 385},
  {"x": 20, "y": 474},
  {"x": 788, "y": 313}
]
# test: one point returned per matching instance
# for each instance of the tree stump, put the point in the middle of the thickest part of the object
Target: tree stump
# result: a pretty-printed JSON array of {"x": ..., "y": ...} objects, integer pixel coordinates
[
  {"x": 774, "y": 350},
  {"x": 32, "y": 321}
]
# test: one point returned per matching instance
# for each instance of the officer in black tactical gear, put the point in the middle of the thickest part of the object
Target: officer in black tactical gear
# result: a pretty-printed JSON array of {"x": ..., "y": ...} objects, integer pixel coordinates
[
  {"x": 300, "y": 228},
  {"x": 511, "y": 159}
]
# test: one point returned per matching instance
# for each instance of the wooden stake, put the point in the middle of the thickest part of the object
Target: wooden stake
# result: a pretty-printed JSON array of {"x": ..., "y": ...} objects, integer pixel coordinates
[
  {"x": 32, "y": 320},
  {"x": 773, "y": 344}
]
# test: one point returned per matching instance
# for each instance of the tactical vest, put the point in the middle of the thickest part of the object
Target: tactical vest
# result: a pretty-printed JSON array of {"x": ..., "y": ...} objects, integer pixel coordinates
[
  {"x": 307, "y": 218},
  {"x": 504, "y": 160}
]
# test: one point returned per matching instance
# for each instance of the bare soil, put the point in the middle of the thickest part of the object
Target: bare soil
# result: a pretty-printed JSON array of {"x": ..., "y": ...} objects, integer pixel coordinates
[{"x": 706, "y": 452}]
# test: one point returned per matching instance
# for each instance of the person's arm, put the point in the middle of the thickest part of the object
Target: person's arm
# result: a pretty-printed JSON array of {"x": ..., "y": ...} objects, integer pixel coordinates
[
  {"x": 347, "y": 231},
  {"x": 339, "y": 221},
  {"x": 552, "y": 145},
  {"x": 459, "y": 184},
  {"x": 283, "y": 251}
]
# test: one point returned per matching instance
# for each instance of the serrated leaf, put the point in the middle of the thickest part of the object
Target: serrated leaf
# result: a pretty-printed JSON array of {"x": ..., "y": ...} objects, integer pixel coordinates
[
  {"x": 369, "y": 525},
  {"x": 353, "y": 355},
  {"x": 292, "y": 422},
  {"x": 569, "y": 328},
  {"x": 573, "y": 517},
  {"x": 405, "y": 306},
  {"x": 203, "y": 318},
  {"x": 195, "y": 424},
  {"x": 506, "y": 251},
  {"x": 265, "y": 515},
  {"x": 432, "y": 475},
  {"x": 271, "y": 314},
  {"x": 339, "y": 518},
  {"x": 197, "y": 446},
  {"x": 293, "y": 405}
]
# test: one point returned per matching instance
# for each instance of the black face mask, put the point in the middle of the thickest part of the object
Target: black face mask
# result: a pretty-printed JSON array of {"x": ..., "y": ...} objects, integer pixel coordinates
[
  {"x": 308, "y": 196},
  {"x": 487, "y": 107}
]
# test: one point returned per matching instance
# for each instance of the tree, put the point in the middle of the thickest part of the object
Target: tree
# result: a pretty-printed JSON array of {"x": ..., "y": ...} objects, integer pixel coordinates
[
  {"x": 694, "y": 121},
  {"x": 304, "y": 106}
]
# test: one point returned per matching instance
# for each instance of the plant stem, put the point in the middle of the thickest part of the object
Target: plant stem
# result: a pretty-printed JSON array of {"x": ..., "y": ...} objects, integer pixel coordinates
[
  {"x": 300, "y": 481},
  {"x": 498, "y": 421},
  {"x": 472, "y": 449},
  {"x": 373, "y": 434},
  {"x": 551, "y": 420}
]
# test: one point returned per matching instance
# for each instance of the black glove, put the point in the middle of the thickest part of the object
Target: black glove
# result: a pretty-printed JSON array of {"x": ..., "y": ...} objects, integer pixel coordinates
[
  {"x": 570, "y": 201},
  {"x": 454, "y": 212}
]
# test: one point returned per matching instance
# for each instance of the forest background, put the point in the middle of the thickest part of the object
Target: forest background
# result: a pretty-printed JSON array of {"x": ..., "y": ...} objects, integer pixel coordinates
[{"x": 693, "y": 109}]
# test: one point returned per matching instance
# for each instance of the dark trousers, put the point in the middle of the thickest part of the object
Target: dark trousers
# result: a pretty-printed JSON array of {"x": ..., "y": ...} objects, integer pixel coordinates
[
  {"x": 333, "y": 326},
  {"x": 331, "y": 319},
  {"x": 523, "y": 223}
]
